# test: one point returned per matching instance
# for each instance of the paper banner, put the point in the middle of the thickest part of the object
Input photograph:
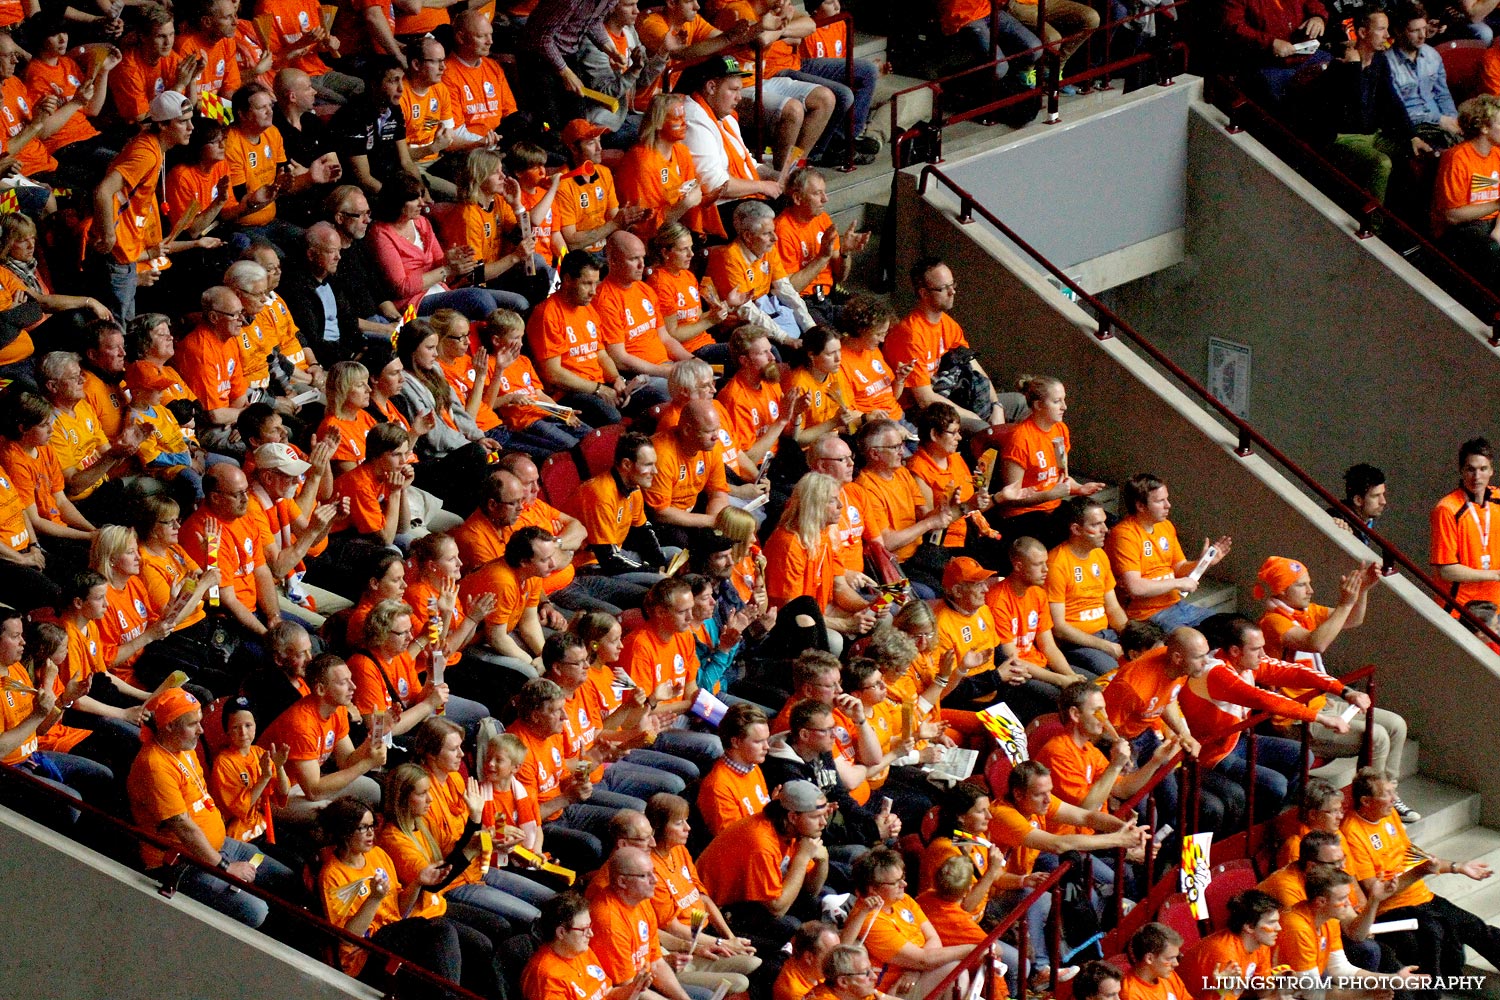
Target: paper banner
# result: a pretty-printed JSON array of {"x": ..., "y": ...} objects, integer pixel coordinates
[
  {"x": 1007, "y": 730},
  {"x": 1195, "y": 873}
]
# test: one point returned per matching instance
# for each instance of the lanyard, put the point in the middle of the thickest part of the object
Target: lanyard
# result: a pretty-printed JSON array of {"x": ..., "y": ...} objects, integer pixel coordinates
[{"x": 1483, "y": 533}]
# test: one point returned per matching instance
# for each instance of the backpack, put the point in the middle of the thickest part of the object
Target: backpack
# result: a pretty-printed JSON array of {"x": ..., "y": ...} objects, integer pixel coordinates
[{"x": 961, "y": 383}]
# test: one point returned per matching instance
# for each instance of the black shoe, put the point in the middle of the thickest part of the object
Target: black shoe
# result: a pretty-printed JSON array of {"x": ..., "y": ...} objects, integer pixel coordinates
[
  {"x": 868, "y": 143},
  {"x": 832, "y": 160}
]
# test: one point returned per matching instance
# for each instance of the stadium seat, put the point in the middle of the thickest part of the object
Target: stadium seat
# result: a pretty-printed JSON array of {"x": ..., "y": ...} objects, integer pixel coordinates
[
  {"x": 997, "y": 773},
  {"x": 560, "y": 482},
  {"x": 995, "y": 437},
  {"x": 929, "y": 824},
  {"x": 1178, "y": 915},
  {"x": 1042, "y": 729},
  {"x": 1463, "y": 61},
  {"x": 1227, "y": 880},
  {"x": 597, "y": 450}
]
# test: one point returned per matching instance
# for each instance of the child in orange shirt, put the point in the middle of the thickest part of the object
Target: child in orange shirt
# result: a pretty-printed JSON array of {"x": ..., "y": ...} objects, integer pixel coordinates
[{"x": 244, "y": 773}]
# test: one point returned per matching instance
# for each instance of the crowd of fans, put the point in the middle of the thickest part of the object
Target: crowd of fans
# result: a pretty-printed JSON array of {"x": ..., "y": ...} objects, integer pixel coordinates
[{"x": 299, "y": 305}]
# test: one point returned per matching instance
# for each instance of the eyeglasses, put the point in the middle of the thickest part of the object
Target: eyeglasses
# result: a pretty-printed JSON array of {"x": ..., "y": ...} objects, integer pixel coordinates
[
  {"x": 237, "y": 314},
  {"x": 585, "y": 929},
  {"x": 365, "y": 828},
  {"x": 171, "y": 522},
  {"x": 356, "y": 215},
  {"x": 650, "y": 875},
  {"x": 884, "y": 447},
  {"x": 899, "y": 881},
  {"x": 861, "y": 973},
  {"x": 234, "y": 493},
  {"x": 817, "y": 729},
  {"x": 939, "y": 289}
]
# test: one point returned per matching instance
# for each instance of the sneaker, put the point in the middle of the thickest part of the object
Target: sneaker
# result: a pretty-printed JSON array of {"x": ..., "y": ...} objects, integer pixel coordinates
[
  {"x": 1406, "y": 812},
  {"x": 832, "y": 159},
  {"x": 868, "y": 143}
]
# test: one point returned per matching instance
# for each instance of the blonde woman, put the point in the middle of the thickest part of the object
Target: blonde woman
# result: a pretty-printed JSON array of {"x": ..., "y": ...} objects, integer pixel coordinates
[
  {"x": 489, "y": 203},
  {"x": 681, "y": 297},
  {"x": 129, "y": 626},
  {"x": 348, "y": 413},
  {"x": 800, "y": 562}
]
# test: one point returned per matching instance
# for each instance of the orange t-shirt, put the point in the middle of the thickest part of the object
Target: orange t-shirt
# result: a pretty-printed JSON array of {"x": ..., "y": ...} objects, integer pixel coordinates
[
  {"x": 135, "y": 83},
  {"x": 139, "y": 165},
  {"x": 520, "y": 376},
  {"x": 85, "y": 650},
  {"x": 778, "y": 56},
  {"x": 746, "y": 862},
  {"x": 483, "y": 230},
  {"x": 1019, "y": 619},
  {"x": 478, "y": 541},
  {"x": 827, "y": 42},
  {"x": 890, "y": 505},
  {"x": 1379, "y": 850},
  {"x": 1036, "y": 451},
  {"x": 253, "y": 160},
  {"x": 572, "y": 333},
  {"x": 424, "y": 113},
  {"x": 954, "y": 14},
  {"x": 792, "y": 571},
  {"x": 162, "y": 785},
  {"x": 1150, "y": 550},
  {"x": 410, "y": 853},
  {"x": 1465, "y": 178},
  {"x": 893, "y": 926},
  {"x": 625, "y": 937},
  {"x": 649, "y": 180},
  {"x": 15, "y": 107},
  {"x": 63, "y": 81},
  {"x": 341, "y": 908},
  {"x": 942, "y": 848},
  {"x": 1215, "y": 951},
  {"x": 38, "y": 478},
  {"x": 945, "y": 483},
  {"x": 965, "y": 634},
  {"x": 1169, "y": 987},
  {"x": 14, "y": 532},
  {"x": 607, "y": 514},
  {"x": 954, "y": 924},
  {"x": 512, "y": 596},
  {"x": 214, "y": 369},
  {"x": 653, "y": 662},
  {"x": 872, "y": 379},
  {"x": 189, "y": 182},
  {"x": 1074, "y": 770},
  {"x": 352, "y": 434},
  {"x": 731, "y": 266},
  {"x": 631, "y": 315},
  {"x": 303, "y": 728},
  {"x": 725, "y": 795},
  {"x": 376, "y": 680},
  {"x": 542, "y": 770},
  {"x": 549, "y": 976},
  {"x": 221, "y": 73},
  {"x": 681, "y": 478},
  {"x": 750, "y": 410},
  {"x": 461, "y": 376},
  {"x": 799, "y": 243},
  {"x": 235, "y": 775},
  {"x": 923, "y": 343},
  {"x": 1304, "y": 946},
  {"x": 1461, "y": 535},
  {"x": 1140, "y": 692},
  {"x": 293, "y": 19},
  {"x": 367, "y": 490},
  {"x": 585, "y": 203},
  {"x": 677, "y": 293},
  {"x": 481, "y": 92},
  {"x": 242, "y": 548},
  {"x": 1079, "y": 585}
]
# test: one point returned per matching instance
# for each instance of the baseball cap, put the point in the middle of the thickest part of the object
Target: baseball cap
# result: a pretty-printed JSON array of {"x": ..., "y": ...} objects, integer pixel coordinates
[
  {"x": 280, "y": 458},
  {"x": 579, "y": 129},
  {"x": 147, "y": 376},
  {"x": 169, "y": 105},
  {"x": 964, "y": 570},
  {"x": 800, "y": 796},
  {"x": 713, "y": 68}
]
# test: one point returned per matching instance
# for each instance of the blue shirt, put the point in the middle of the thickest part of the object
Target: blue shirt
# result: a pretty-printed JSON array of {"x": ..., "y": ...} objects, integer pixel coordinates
[{"x": 1420, "y": 85}]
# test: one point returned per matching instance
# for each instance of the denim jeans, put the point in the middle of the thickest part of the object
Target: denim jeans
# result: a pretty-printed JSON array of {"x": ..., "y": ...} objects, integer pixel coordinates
[
  {"x": 670, "y": 763},
  {"x": 830, "y": 72},
  {"x": 229, "y": 900},
  {"x": 498, "y": 900},
  {"x": 1180, "y": 614},
  {"x": 702, "y": 749},
  {"x": 475, "y": 303},
  {"x": 118, "y": 287},
  {"x": 1095, "y": 661},
  {"x": 1278, "y": 766},
  {"x": 594, "y": 410},
  {"x": 1013, "y": 36},
  {"x": 640, "y": 781}
]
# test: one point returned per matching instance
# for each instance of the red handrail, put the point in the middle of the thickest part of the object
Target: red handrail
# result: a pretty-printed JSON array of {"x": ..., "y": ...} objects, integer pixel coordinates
[
  {"x": 1233, "y": 101},
  {"x": 1109, "y": 324},
  {"x": 398, "y": 968}
]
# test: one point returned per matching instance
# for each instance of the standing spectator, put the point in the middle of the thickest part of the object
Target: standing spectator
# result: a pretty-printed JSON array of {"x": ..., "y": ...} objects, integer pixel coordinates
[
  {"x": 554, "y": 31},
  {"x": 1464, "y": 551}
]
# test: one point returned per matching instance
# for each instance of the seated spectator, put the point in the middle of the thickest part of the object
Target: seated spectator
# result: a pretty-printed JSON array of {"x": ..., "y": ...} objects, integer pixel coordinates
[
  {"x": 628, "y": 938},
  {"x": 964, "y": 813},
  {"x": 801, "y": 563},
  {"x": 1422, "y": 114},
  {"x": 1034, "y": 463},
  {"x": 259, "y": 180},
  {"x": 25, "y": 431},
  {"x": 125, "y": 235},
  {"x": 895, "y": 930},
  {"x": 356, "y": 279},
  {"x": 248, "y": 780},
  {"x": 658, "y": 174},
  {"x": 1296, "y": 629},
  {"x": 385, "y": 676},
  {"x": 1023, "y": 623},
  {"x": 1464, "y": 209},
  {"x": 1463, "y": 553},
  {"x": 939, "y": 463},
  {"x": 452, "y": 448},
  {"x": 750, "y": 268},
  {"x": 222, "y": 534},
  {"x": 679, "y": 298},
  {"x": 864, "y": 323},
  {"x": 619, "y": 541},
  {"x": 1154, "y": 952},
  {"x": 272, "y": 688},
  {"x": 1364, "y": 493},
  {"x": 299, "y": 42},
  {"x": 169, "y": 796},
  {"x": 967, "y": 28},
  {"x": 927, "y": 334},
  {"x": 61, "y": 314},
  {"x": 373, "y": 494},
  {"x": 82, "y": 154},
  {"x": 212, "y": 362},
  {"x": 621, "y": 70},
  {"x": 723, "y": 163},
  {"x": 565, "y": 964},
  {"x": 201, "y": 179},
  {"x": 690, "y": 474},
  {"x": 802, "y": 972},
  {"x": 589, "y": 211},
  {"x": 316, "y": 728},
  {"x": 149, "y": 67},
  {"x": 468, "y": 376},
  {"x": 565, "y": 335},
  {"x": 210, "y": 36},
  {"x": 634, "y": 335},
  {"x": 899, "y": 509},
  {"x": 431, "y": 122},
  {"x": 513, "y": 629},
  {"x": 1351, "y": 93},
  {"x": 1263, "y": 37},
  {"x": 527, "y": 163},
  {"x": 1311, "y": 942},
  {"x": 767, "y": 871},
  {"x": 489, "y": 205},
  {"x": 528, "y": 413},
  {"x": 815, "y": 258},
  {"x": 1150, "y": 564},
  {"x": 371, "y": 131},
  {"x": 481, "y": 95},
  {"x": 1086, "y": 613},
  {"x": 31, "y": 708},
  {"x": 378, "y": 908},
  {"x": 88, "y": 459},
  {"x": 736, "y": 788},
  {"x": 415, "y": 264}
]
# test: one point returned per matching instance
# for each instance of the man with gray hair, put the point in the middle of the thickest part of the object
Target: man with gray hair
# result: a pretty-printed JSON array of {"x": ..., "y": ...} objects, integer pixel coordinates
[
  {"x": 752, "y": 266},
  {"x": 316, "y": 301},
  {"x": 212, "y": 362},
  {"x": 626, "y": 930},
  {"x": 86, "y": 455}
]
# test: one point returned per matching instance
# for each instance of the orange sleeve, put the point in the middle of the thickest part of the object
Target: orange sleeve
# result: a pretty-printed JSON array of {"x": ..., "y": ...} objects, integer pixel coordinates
[
  {"x": 786, "y": 567},
  {"x": 229, "y": 789},
  {"x": 717, "y": 481},
  {"x": 365, "y": 510},
  {"x": 1489, "y": 73},
  {"x": 1444, "y": 533},
  {"x": 370, "y": 692},
  {"x": 1297, "y": 945},
  {"x": 542, "y": 334}
]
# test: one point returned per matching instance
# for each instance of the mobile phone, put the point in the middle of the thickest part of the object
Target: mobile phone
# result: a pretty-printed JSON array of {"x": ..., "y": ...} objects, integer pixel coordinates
[{"x": 885, "y": 804}]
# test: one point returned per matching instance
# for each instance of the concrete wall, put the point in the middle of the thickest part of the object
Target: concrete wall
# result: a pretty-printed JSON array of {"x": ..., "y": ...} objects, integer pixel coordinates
[
  {"x": 1126, "y": 418},
  {"x": 1357, "y": 357},
  {"x": 80, "y": 927},
  {"x": 1088, "y": 187}
]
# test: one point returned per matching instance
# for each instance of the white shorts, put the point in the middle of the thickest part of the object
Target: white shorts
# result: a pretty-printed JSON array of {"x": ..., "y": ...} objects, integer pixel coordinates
[{"x": 775, "y": 91}]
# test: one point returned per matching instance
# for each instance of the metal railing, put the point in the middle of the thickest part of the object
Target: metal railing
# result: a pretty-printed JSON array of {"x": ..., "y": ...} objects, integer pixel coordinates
[
  {"x": 1364, "y": 206},
  {"x": 404, "y": 978},
  {"x": 979, "y": 961},
  {"x": 1109, "y": 324},
  {"x": 1050, "y": 81}
]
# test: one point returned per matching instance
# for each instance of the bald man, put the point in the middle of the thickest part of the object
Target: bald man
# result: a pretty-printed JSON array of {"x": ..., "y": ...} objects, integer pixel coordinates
[
  {"x": 212, "y": 364},
  {"x": 318, "y": 307},
  {"x": 240, "y": 554},
  {"x": 690, "y": 487},
  {"x": 634, "y": 335}
]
